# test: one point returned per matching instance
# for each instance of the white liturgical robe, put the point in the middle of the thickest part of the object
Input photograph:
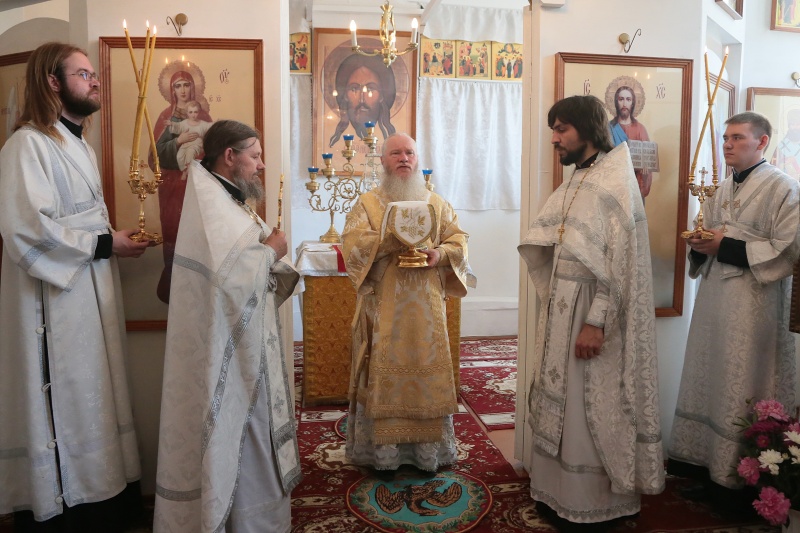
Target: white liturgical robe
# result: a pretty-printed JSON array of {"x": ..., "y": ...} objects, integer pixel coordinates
[
  {"x": 224, "y": 370},
  {"x": 62, "y": 333}
]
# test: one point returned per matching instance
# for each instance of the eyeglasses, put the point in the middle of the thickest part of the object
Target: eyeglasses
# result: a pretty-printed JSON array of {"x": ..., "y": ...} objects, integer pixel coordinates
[{"x": 86, "y": 75}]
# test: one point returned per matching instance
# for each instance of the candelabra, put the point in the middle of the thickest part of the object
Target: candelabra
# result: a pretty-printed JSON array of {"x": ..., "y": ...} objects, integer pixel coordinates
[
  {"x": 704, "y": 191},
  {"x": 141, "y": 187},
  {"x": 343, "y": 189}
]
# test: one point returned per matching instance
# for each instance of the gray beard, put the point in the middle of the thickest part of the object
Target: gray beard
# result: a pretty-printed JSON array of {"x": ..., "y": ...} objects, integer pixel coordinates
[
  {"x": 252, "y": 190},
  {"x": 404, "y": 190}
]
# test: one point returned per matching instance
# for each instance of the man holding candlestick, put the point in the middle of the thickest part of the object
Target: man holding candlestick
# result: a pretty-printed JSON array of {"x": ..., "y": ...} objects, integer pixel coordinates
[
  {"x": 593, "y": 405},
  {"x": 68, "y": 450},
  {"x": 739, "y": 345},
  {"x": 228, "y": 455}
]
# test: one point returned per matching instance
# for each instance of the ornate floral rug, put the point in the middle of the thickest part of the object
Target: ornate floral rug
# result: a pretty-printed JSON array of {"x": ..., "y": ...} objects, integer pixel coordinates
[
  {"x": 489, "y": 387},
  {"x": 491, "y": 348},
  {"x": 413, "y": 502}
]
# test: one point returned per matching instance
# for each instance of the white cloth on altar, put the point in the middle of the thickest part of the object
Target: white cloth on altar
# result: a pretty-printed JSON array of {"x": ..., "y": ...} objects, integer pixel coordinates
[
  {"x": 58, "y": 304},
  {"x": 739, "y": 344},
  {"x": 223, "y": 343}
]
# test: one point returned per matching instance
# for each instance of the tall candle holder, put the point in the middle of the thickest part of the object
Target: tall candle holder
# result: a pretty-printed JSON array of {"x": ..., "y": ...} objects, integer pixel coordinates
[
  {"x": 426, "y": 173},
  {"x": 704, "y": 191},
  {"x": 343, "y": 189},
  {"x": 142, "y": 187}
]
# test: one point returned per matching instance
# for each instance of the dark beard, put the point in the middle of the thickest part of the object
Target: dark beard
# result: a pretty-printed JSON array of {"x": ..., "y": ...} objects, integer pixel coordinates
[
  {"x": 75, "y": 105},
  {"x": 573, "y": 157}
]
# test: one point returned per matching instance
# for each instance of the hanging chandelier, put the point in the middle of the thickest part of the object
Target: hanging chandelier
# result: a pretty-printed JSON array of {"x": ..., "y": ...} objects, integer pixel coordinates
[{"x": 388, "y": 37}]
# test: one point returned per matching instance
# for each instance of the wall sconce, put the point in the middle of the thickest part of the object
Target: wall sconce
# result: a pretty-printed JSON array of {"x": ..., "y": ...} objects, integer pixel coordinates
[
  {"x": 626, "y": 40},
  {"x": 796, "y": 78},
  {"x": 179, "y": 22}
]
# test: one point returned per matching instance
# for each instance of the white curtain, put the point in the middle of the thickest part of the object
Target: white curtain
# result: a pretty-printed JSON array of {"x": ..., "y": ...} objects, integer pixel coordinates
[
  {"x": 475, "y": 24},
  {"x": 470, "y": 134},
  {"x": 300, "y": 138}
]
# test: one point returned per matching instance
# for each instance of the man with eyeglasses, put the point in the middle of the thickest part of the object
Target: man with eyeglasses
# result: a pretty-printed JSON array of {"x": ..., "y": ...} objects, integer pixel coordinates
[{"x": 68, "y": 451}]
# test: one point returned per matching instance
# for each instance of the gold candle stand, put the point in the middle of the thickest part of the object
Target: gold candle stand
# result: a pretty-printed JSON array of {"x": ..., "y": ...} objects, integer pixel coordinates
[{"x": 343, "y": 189}]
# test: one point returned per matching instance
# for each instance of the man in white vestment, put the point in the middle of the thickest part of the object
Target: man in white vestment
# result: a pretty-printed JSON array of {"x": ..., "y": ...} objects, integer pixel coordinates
[
  {"x": 593, "y": 404},
  {"x": 227, "y": 454},
  {"x": 68, "y": 453},
  {"x": 402, "y": 391},
  {"x": 739, "y": 345}
]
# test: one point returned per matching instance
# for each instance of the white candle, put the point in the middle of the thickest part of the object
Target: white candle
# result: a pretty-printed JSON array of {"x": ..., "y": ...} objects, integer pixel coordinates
[
  {"x": 414, "y": 26},
  {"x": 353, "y": 41}
]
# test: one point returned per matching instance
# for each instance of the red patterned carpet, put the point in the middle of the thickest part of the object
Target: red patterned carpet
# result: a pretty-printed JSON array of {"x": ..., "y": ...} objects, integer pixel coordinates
[
  {"x": 319, "y": 506},
  {"x": 489, "y": 387}
]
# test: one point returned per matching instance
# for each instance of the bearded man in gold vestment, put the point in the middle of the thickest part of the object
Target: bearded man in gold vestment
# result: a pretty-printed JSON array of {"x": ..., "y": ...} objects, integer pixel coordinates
[{"x": 402, "y": 392}]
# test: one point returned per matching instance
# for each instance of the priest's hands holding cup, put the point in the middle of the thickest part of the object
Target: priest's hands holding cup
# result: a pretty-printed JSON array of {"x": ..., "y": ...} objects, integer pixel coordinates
[
  {"x": 123, "y": 246},
  {"x": 277, "y": 241},
  {"x": 589, "y": 343},
  {"x": 706, "y": 246},
  {"x": 434, "y": 256}
]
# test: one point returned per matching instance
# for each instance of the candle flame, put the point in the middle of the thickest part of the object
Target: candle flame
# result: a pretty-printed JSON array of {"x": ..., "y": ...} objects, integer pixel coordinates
[
  {"x": 183, "y": 58},
  {"x": 147, "y": 23},
  {"x": 154, "y": 29},
  {"x": 726, "y": 50},
  {"x": 335, "y": 92},
  {"x": 166, "y": 61},
  {"x": 352, "y": 25},
  {"x": 124, "y": 24},
  {"x": 414, "y": 23}
]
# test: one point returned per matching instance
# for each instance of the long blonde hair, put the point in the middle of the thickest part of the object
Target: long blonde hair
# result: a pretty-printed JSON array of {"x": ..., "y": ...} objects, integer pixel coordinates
[{"x": 43, "y": 106}]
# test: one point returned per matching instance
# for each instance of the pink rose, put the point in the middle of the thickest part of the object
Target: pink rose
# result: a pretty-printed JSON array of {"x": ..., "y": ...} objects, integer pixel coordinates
[
  {"x": 748, "y": 469},
  {"x": 770, "y": 409},
  {"x": 773, "y": 506}
]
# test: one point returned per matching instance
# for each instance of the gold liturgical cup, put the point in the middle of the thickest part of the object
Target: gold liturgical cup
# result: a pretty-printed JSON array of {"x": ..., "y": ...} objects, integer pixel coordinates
[{"x": 412, "y": 223}]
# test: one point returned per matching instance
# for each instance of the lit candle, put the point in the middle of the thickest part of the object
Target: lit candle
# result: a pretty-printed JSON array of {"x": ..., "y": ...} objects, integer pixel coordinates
[
  {"x": 353, "y": 40},
  {"x": 414, "y": 26}
]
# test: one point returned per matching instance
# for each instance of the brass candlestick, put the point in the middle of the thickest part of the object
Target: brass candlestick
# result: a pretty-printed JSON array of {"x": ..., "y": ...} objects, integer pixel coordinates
[
  {"x": 142, "y": 188},
  {"x": 343, "y": 189},
  {"x": 702, "y": 192}
]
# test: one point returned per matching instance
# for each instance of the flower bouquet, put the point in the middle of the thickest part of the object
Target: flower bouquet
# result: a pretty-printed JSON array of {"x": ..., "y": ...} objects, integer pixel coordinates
[{"x": 772, "y": 460}]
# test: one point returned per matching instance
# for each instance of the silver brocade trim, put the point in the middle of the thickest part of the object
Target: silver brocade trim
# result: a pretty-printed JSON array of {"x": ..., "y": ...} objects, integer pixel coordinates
[
  {"x": 178, "y": 495},
  {"x": 36, "y": 252},
  {"x": 219, "y": 391}
]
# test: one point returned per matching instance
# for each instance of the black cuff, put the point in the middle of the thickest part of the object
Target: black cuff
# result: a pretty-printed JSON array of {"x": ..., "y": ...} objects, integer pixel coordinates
[
  {"x": 105, "y": 243},
  {"x": 698, "y": 257},
  {"x": 733, "y": 252}
]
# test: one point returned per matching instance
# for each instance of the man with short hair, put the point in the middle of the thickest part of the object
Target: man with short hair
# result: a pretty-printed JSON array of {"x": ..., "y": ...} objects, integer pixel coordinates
[
  {"x": 624, "y": 127},
  {"x": 68, "y": 450},
  {"x": 593, "y": 405},
  {"x": 739, "y": 345},
  {"x": 227, "y": 456},
  {"x": 402, "y": 391}
]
